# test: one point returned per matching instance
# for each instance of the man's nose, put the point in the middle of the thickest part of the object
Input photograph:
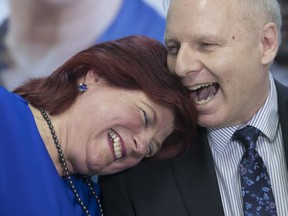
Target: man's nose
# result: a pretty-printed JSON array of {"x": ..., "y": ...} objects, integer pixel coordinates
[{"x": 187, "y": 61}]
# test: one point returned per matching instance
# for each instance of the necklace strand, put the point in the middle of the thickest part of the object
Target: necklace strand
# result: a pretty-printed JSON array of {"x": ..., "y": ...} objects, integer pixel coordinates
[{"x": 67, "y": 173}]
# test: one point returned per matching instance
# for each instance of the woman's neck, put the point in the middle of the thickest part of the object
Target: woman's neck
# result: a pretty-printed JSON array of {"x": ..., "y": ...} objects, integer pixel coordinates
[{"x": 46, "y": 136}]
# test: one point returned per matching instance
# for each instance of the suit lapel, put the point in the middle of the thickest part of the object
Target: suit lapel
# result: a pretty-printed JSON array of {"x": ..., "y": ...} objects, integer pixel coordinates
[
  {"x": 195, "y": 173},
  {"x": 196, "y": 179},
  {"x": 282, "y": 92}
]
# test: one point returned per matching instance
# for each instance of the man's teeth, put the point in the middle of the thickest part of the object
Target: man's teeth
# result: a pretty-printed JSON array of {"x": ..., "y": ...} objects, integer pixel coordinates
[
  {"x": 204, "y": 93},
  {"x": 205, "y": 101},
  {"x": 200, "y": 86},
  {"x": 116, "y": 144}
]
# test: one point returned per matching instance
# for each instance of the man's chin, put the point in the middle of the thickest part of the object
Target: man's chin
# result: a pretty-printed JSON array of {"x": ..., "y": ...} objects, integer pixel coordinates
[{"x": 209, "y": 121}]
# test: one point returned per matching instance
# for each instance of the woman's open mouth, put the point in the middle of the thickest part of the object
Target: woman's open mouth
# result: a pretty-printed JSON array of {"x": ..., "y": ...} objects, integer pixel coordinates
[{"x": 117, "y": 144}]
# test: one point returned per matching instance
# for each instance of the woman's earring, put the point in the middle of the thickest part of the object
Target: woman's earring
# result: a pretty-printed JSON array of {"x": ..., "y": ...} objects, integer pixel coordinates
[{"x": 82, "y": 87}]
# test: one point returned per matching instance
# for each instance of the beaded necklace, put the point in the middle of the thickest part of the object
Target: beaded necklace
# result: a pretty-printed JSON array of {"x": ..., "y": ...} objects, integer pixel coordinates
[{"x": 67, "y": 173}]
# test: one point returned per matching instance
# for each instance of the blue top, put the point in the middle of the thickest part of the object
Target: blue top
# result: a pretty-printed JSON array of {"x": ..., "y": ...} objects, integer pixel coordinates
[{"x": 29, "y": 182}]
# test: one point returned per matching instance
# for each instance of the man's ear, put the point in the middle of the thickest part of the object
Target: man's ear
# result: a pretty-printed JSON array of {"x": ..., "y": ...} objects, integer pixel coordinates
[{"x": 269, "y": 43}]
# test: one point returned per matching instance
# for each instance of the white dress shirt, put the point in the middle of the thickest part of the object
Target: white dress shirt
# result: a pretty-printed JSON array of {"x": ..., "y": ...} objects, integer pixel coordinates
[{"x": 227, "y": 155}]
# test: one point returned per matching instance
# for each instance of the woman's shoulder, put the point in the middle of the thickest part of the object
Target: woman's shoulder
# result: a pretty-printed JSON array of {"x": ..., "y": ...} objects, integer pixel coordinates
[{"x": 9, "y": 99}]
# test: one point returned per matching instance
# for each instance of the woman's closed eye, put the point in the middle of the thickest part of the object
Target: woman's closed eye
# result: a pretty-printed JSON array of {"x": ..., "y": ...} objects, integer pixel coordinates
[
  {"x": 153, "y": 148},
  {"x": 150, "y": 152},
  {"x": 146, "y": 119}
]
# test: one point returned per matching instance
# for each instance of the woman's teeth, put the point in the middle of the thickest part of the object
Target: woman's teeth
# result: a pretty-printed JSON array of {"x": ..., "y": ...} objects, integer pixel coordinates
[{"x": 116, "y": 144}]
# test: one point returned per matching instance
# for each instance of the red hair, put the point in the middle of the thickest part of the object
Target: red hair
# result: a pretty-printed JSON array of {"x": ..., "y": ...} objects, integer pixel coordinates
[{"x": 134, "y": 62}]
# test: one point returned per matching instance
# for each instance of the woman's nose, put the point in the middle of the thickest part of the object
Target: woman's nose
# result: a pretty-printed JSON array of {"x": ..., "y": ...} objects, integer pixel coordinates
[{"x": 140, "y": 147}]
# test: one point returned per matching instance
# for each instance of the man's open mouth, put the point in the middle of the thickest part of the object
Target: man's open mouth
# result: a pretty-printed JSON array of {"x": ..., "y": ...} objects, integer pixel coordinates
[{"x": 203, "y": 93}]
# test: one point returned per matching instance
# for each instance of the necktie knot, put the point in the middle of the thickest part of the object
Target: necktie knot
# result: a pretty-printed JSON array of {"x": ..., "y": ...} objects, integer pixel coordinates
[{"x": 248, "y": 136}]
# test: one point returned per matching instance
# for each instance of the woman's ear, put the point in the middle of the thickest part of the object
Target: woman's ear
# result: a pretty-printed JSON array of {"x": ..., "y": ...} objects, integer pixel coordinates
[
  {"x": 91, "y": 77},
  {"x": 269, "y": 42}
]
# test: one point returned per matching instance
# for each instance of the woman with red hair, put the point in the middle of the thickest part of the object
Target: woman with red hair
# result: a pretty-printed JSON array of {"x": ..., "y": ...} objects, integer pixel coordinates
[{"x": 103, "y": 111}]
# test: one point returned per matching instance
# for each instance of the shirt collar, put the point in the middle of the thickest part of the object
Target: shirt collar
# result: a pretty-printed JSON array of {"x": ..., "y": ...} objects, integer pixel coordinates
[{"x": 266, "y": 120}]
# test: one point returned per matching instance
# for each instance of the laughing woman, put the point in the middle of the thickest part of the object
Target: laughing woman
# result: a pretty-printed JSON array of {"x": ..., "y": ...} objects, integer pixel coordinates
[{"x": 103, "y": 111}]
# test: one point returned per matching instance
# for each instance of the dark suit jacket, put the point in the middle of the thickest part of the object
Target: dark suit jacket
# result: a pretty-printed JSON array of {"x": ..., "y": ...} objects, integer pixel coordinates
[{"x": 182, "y": 187}]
